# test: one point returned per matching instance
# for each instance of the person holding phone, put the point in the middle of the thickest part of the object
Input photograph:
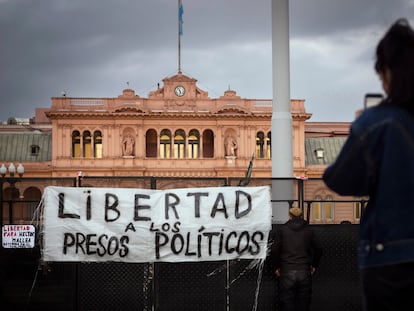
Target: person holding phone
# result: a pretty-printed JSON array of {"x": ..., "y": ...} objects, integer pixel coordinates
[{"x": 377, "y": 160}]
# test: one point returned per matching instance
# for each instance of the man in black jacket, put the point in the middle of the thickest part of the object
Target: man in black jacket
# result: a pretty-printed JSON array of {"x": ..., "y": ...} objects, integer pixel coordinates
[{"x": 296, "y": 253}]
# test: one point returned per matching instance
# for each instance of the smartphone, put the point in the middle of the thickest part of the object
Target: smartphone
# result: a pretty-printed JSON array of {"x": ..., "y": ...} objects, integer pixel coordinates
[{"x": 372, "y": 99}]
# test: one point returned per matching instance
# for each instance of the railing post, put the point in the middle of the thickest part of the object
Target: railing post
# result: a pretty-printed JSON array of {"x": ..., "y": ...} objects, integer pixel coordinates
[
  {"x": 10, "y": 211},
  {"x": 308, "y": 210},
  {"x": 1, "y": 213},
  {"x": 153, "y": 183}
]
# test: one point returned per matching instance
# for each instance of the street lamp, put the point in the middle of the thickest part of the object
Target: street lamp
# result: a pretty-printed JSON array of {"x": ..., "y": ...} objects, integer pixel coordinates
[
  {"x": 12, "y": 170},
  {"x": 12, "y": 180}
]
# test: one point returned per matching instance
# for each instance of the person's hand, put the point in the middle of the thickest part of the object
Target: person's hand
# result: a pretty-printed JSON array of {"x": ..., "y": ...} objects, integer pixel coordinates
[
  {"x": 277, "y": 272},
  {"x": 312, "y": 269}
]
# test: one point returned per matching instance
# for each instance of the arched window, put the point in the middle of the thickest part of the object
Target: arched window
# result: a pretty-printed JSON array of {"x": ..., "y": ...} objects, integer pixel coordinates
[
  {"x": 97, "y": 144},
  {"x": 193, "y": 151},
  {"x": 165, "y": 144},
  {"x": 151, "y": 144},
  {"x": 328, "y": 208},
  {"x": 260, "y": 154},
  {"x": 84, "y": 146},
  {"x": 317, "y": 208},
  {"x": 179, "y": 144},
  {"x": 208, "y": 144},
  {"x": 323, "y": 209},
  {"x": 87, "y": 144},
  {"x": 11, "y": 193},
  {"x": 32, "y": 196},
  {"x": 76, "y": 144}
]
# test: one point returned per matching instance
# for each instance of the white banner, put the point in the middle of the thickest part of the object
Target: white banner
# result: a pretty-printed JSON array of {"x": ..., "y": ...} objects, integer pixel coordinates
[{"x": 141, "y": 225}]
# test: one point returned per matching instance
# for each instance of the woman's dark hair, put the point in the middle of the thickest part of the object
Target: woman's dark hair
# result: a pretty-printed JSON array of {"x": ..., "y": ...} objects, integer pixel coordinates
[{"x": 395, "y": 52}]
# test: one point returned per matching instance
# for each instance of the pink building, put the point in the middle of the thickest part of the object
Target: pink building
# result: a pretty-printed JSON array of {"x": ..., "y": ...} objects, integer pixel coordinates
[{"x": 177, "y": 131}]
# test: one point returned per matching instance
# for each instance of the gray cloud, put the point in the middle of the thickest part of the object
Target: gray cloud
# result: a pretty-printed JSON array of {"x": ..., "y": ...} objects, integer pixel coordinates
[{"x": 91, "y": 48}]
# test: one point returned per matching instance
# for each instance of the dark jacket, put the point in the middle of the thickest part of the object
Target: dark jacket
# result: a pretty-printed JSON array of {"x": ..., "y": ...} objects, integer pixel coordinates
[
  {"x": 377, "y": 160},
  {"x": 295, "y": 246}
]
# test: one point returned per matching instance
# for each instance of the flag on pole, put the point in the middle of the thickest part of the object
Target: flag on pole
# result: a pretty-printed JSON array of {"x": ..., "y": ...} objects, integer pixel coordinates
[
  {"x": 180, "y": 17},
  {"x": 246, "y": 180}
]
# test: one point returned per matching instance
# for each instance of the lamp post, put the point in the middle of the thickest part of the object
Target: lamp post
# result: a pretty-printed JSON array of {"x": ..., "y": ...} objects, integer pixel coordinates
[
  {"x": 282, "y": 157},
  {"x": 11, "y": 180}
]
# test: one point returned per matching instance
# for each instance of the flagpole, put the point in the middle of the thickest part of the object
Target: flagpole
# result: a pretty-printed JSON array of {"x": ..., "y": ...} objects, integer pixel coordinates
[{"x": 179, "y": 33}]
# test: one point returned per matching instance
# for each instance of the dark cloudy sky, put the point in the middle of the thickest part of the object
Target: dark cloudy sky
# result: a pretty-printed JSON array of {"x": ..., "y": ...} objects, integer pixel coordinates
[{"x": 92, "y": 48}]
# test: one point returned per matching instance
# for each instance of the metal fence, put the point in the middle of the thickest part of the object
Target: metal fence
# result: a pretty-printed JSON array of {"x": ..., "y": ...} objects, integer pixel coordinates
[{"x": 236, "y": 285}]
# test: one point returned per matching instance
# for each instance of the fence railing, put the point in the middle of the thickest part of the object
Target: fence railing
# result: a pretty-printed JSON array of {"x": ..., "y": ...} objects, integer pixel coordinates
[{"x": 229, "y": 285}]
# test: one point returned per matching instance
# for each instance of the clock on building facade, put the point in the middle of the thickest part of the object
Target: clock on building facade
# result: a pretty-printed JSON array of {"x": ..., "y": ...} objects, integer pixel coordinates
[{"x": 179, "y": 90}]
